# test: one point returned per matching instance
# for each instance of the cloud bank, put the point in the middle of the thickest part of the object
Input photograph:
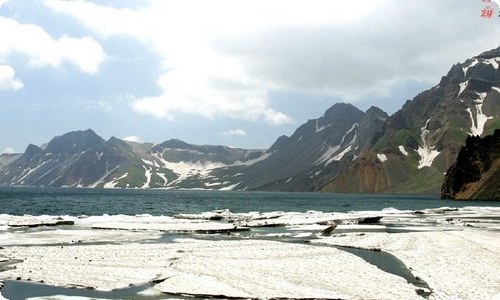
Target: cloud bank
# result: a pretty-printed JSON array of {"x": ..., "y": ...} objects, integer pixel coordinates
[
  {"x": 223, "y": 58},
  {"x": 41, "y": 50}
]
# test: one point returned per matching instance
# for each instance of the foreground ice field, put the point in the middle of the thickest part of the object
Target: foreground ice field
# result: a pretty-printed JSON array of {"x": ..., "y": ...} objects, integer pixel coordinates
[{"x": 436, "y": 254}]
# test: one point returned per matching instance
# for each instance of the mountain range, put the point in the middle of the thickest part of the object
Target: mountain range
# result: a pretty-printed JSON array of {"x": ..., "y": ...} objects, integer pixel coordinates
[{"x": 345, "y": 150}]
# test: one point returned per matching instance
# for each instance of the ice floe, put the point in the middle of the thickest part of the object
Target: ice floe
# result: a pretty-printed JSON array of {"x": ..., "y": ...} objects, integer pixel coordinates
[
  {"x": 454, "y": 250},
  {"x": 455, "y": 264}
]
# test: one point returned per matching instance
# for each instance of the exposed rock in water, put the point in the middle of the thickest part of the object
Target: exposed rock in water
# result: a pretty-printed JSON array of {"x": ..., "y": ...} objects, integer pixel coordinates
[
  {"x": 32, "y": 224},
  {"x": 370, "y": 220},
  {"x": 328, "y": 231},
  {"x": 476, "y": 173}
]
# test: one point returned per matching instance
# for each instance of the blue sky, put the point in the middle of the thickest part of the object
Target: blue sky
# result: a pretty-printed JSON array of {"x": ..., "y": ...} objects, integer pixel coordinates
[{"x": 238, "y": 73}]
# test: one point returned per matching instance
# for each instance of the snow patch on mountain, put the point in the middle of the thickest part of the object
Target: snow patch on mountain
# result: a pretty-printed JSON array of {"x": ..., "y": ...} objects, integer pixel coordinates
[
  {"x": 151, "y": 163},
  {"x": 252, "y": 161},
  {"x": 475, "y": 62},
  {"x": 463, "y": 86},
  {"x": 492, "y": 61},
  {"x": 402, "y": 150},
  {"x": 112, "y": 184},
  {"x": 382, "y": 157},
  {"x": 147, "y": 173},
  {"x": 318, "y": 129},
  {"x": 495, "y": 88},
  {"x": 328, "y": 153},
  {"x": 186, "y": 169},
  {"x": 106, "y": 174},
  {"x": 230, "y": 187},
  {"x": 339, "y": 156},
  {"x": 477, "y": 126},
  {"x": 332, "y": 150},
  {"x": 162, "y": 176},
  {"x": 28, "y": 171},
  {"x": 426, "y": 152}
]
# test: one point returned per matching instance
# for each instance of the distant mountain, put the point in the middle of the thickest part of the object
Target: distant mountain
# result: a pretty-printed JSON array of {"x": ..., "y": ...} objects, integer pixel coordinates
[
  {"x": 476, "y": 173},
  {"x": 345, "y": 150},
  {"x": 316, "y": 152},
  {"x": 83, "y": 159}
]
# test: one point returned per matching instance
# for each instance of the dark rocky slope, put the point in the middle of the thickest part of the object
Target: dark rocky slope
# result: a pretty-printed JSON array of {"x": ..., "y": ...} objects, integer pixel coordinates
[{"x": 476, "y": 173}]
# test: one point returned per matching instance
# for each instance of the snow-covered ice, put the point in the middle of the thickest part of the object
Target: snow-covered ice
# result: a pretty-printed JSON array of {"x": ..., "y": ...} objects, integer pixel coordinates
[{"x": 454, "y": 250}]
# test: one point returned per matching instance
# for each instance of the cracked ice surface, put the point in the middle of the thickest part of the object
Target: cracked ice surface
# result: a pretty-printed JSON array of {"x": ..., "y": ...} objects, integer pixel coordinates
[
  {"x": 240, "y": 268},
  {"x": 457, "y": 261},
  {"x": 456, "y": 264}
]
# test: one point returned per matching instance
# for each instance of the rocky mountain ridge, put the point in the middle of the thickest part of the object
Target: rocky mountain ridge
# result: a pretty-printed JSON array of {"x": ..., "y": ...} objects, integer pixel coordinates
[{"x": 345, "y": 150}]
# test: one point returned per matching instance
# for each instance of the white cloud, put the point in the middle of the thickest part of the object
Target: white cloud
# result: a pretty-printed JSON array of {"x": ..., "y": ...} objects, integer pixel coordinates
[
  {"x": 197, "y": 79},
  {"x": 234, "y": 132},
  {"x": 8, "y": 150},
  {"x": 132, "y": 138},
  {"x": 8, "y": 81},
  {"x": 2, "y": 2},
  {"x": 222, "y": 58},
  {"x": 43, "y": 50}
]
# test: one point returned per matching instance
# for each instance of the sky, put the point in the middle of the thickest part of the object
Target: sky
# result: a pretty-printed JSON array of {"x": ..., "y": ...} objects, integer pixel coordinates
[{"x": 239, "y": 73}]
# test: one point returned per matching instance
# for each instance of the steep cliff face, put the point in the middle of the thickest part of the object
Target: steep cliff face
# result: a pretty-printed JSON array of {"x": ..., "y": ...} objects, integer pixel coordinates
[
  {"x": 476, "y": 173},
  {"x": 419, "y": 142}
]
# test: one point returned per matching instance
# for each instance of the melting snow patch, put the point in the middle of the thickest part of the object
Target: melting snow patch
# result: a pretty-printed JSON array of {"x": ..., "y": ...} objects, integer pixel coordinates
[
  {"x": 327, "y": 156},
  {"x": 492, "y": 61},
  {"x": 462, "y": 85},
  {"x": 477, "y": 126},
  {"x": 252, "y": 161},
  {"x": 339, "y": 156},
  {"x": 470, "y": 66},
  {"x": 402, "y": 150},
  {"x": 162, "y": 176},
  {"x": 230, "y": 187},
  {"x": 147, "y": 173},
  {"x": 323, "y": 127},
  {"x": 382, "y": 157},
  {"x": 112, "y": 184},
  {"x": 495, "y": 88},
  {"x": 331, "y": 151},
  {"x": 426, "y": 152}
]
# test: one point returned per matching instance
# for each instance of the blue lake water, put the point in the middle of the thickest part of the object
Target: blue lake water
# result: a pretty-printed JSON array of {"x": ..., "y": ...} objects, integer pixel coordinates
[{"x": 73, "y": 201}]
